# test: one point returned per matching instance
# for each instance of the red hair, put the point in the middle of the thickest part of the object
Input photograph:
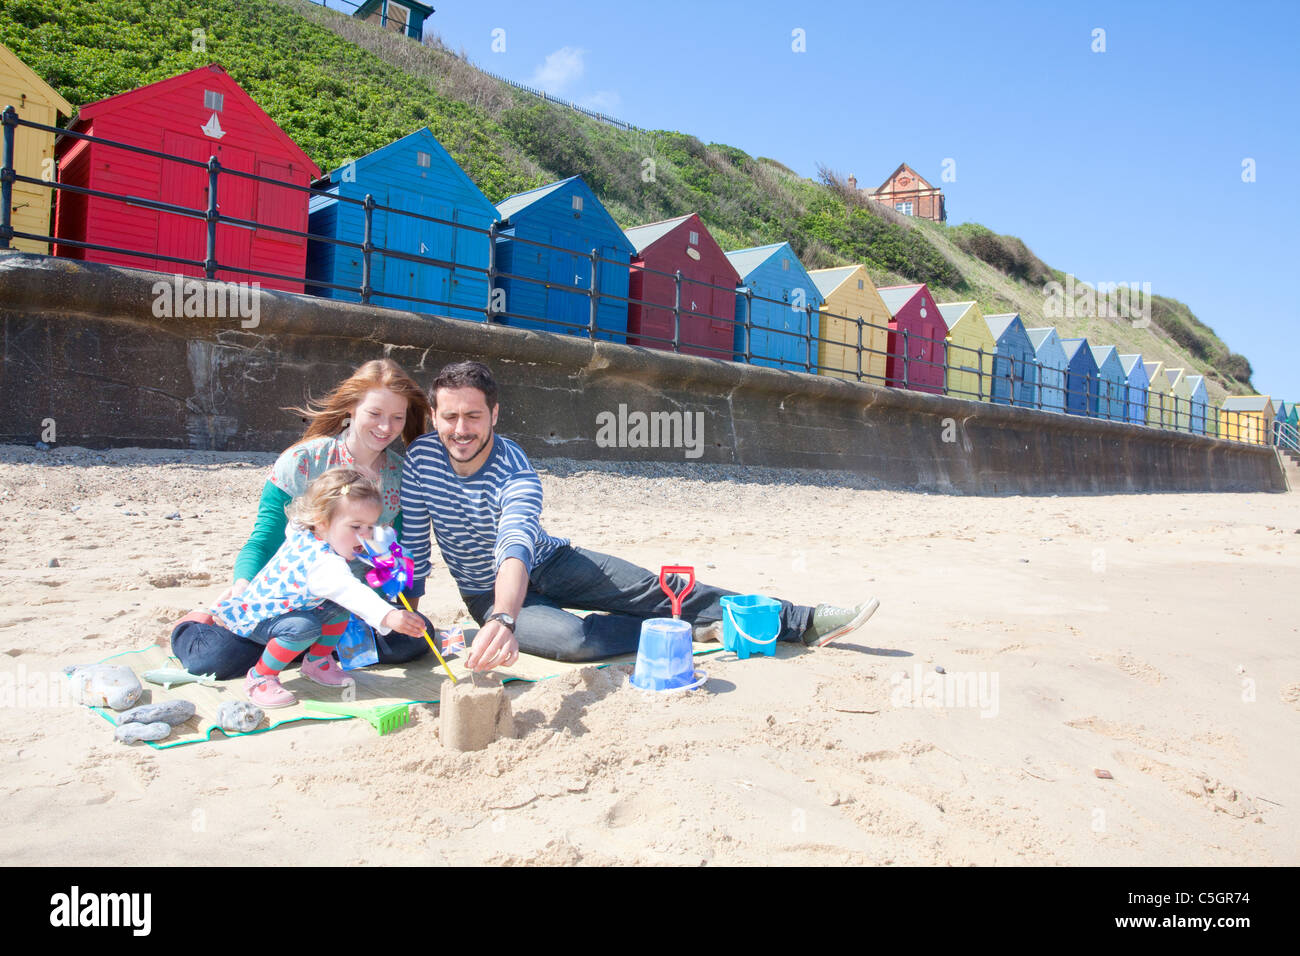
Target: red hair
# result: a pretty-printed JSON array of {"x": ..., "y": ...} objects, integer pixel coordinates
[{"x": 326, "y": 417}]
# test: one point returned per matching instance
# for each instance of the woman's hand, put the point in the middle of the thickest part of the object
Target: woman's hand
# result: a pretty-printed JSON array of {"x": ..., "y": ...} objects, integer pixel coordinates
[
  {"x": 404, "y": 622},
  {"x": 494, "y": 646},
  {"x": 236, "y": 589}
]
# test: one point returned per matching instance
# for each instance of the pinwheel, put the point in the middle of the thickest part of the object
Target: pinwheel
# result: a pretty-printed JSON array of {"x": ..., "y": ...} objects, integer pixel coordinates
[{"x": 391, "y": 573}]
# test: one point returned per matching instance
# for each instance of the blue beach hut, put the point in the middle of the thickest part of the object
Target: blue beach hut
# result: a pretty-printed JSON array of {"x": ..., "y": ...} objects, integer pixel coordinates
[
  {"x": 1112, "y": 391},
  {"x": 414, "y": 175},
  {"x": 1080, "y": 378},
  {"x": 1015, "y": 367},
  {"x": 1198, "y": 403},
  {"x": 567, "y": 216},
  {"x": 1135, "y": 373},
  {"x": 1051, "y": 368},
  {"x": 782, "y": 332}
]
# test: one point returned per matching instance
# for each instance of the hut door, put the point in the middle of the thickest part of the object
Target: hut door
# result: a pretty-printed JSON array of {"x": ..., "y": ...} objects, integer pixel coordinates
[
  {"x": 188, "y": 186},
  {"x": 568, "y": 269}
]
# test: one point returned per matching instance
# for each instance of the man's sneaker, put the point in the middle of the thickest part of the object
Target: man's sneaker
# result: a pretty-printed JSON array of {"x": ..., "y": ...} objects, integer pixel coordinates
[
  {"x": 707, "y": 633},
  {"x": 830, "y": 622}
]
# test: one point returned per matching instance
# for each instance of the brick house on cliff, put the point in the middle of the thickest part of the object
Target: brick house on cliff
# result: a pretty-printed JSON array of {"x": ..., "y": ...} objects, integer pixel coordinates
[{"x": 907, "y": 192}]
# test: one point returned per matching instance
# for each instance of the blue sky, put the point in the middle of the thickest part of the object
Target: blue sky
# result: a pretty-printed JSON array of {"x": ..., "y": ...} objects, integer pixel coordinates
[{"x": 1117, "y": 165}]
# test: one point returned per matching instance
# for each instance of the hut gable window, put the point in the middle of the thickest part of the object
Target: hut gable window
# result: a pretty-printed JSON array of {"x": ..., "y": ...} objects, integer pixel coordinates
[
  {"x": 212, "y": 100},
  {"x": 861, "y": 284},
  {"x": 695, "y": 238},
  {"x": 577, "y": 204},
  {"x": 423, "y": 159},
  {"x": 785, "y": 265}
]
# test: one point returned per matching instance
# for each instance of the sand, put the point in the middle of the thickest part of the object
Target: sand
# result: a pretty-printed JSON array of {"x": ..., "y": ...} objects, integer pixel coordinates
[{"x": 1153, "y": 637}]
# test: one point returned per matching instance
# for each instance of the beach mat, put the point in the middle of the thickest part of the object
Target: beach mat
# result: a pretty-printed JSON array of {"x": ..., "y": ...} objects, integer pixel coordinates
[{"x": 419, "y": 682}]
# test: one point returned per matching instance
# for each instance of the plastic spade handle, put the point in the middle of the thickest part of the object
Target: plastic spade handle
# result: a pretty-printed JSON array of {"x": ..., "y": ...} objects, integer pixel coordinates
[{"x": 675, "y": 598}]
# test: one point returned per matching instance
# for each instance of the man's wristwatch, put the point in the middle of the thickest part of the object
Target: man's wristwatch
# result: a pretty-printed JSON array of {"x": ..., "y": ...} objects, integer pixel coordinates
[{"x": 504, "y": 618}]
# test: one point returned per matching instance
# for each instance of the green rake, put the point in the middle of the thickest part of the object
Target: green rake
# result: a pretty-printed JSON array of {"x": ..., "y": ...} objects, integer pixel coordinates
[{"x": 384, "y": 719}]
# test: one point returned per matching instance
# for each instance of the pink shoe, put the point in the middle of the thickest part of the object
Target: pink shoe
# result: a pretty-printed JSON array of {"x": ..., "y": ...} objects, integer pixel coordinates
[
  {"x": 265, "y": 691},
  {"x": 326, "y": 672}
]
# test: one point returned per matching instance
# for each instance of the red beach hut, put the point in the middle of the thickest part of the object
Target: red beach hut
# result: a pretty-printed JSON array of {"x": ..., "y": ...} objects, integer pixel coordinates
[
  {"x": 917, "y": 360},
  {"x": 196, "y": 115},
  {"x": 681, "y": 245}
]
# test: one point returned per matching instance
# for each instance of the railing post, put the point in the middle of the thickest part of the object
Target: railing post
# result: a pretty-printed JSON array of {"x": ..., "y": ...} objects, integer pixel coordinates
[
  {"x": 594, "y": 293},
  {"x": 749, "y": 325},
  {"x": 210, "y": 263},
  {"x": 859, "y": 352},
  {"x": 979, "y": 373},
  {"x": 905, "y": 357},
  {"x": 7, "y": 174},
  {"x": 367, "y": 246},
  {"x": 677, "y": 311},
  {"x": 491, "y": 271},
  {"x": 808, "y": 340}
]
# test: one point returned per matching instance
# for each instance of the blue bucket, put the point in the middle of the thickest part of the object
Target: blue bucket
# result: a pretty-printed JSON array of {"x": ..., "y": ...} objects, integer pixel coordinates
[
  {"x": 750, "y": 624},
  {"x": 664, "y": 658}
]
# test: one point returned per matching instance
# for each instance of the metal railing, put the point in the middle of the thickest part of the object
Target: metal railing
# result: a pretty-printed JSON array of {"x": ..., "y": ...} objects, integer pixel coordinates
[
  {"x": 1285, "y": 435},
  {"x": 909, "y": 360}
]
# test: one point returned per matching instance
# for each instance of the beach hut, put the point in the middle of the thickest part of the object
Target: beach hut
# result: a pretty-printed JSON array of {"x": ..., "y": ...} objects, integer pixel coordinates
[
  {"x": 918, "y": 354},
  {"x": 778, "y": 300},
  {"x": 1112, "y": 391},
  {"x": 194, "y": 116},
  {"x": 1015, "y": 369},
  {"x": 411, "y": 175},
  {"x": 1137, "y": 383},
  {"x": 970, "y": 352},
  {"x": 1080, "y": 378},
  {"x": 707, "y": 308},
  {"x": 850, "y": 302},
  {"x": 1051, "y": 368},
  {"x": 570, "y": 222},
  {"x": 1289, "y": 416},
  {"x": 1160, "y": 406},
  {"x": 1195, "y": 399},
  {"x": 36, "y": 102},
  {"x": 1247, "y": 418},
  {"x": 1177, "y": 400},
  {"x": 400, "y": 16}
]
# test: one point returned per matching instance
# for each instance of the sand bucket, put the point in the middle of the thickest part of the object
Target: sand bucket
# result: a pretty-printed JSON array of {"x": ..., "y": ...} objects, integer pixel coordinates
[
  {"x": 665, "y": 659},
  {"x": 751, "y": 624}
]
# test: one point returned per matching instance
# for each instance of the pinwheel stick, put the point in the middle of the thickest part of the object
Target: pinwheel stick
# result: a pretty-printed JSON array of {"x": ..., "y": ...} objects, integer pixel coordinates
[
  {"x": 432, "y": 646},
  {"x": 392, "y": 574}
]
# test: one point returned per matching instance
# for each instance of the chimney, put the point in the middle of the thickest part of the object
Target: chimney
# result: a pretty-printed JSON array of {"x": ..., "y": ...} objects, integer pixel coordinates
[{"x": 853, "y": 182}]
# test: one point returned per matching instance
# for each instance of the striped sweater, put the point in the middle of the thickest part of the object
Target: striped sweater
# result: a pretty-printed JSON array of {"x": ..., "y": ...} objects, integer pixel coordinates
[{"x": 478, "y": 521}]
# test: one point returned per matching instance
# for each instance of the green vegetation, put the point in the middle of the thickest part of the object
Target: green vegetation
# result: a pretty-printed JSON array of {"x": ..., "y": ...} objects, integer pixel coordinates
[{"x": 342, "y": 88}]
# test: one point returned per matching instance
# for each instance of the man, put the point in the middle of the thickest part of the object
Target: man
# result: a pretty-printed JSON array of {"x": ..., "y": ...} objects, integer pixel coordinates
[{"x": 484, "y": 502}]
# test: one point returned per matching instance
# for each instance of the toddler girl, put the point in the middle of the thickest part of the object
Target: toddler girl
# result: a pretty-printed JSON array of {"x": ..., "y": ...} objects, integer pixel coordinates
[{"x": 306, "y": 582}]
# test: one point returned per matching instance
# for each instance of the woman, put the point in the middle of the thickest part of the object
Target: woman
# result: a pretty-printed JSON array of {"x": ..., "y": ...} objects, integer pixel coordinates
[{"x": 354, "y": 426}]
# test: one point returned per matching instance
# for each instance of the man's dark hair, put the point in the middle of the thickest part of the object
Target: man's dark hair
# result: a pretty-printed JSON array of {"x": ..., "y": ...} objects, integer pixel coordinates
[{"x": 466, "y": 375}]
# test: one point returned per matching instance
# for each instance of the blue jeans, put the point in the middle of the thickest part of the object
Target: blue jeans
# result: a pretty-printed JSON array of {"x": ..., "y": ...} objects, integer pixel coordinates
[
  {"x": 211, "y": 649},
  {"x": 590, "y": 581}
]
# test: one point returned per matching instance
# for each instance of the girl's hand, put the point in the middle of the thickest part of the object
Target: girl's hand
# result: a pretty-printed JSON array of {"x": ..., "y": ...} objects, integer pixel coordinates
[
  {"x": 404, "y": 622},
  {"x": 236, "y": 589}
]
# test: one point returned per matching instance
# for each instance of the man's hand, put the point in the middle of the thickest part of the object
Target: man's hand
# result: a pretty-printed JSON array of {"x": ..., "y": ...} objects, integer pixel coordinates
[{"x": 494, "y": 646}]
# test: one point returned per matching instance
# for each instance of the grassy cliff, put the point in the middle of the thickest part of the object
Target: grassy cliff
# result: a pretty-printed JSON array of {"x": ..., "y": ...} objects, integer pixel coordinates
[{"x": 342, "y": 88}]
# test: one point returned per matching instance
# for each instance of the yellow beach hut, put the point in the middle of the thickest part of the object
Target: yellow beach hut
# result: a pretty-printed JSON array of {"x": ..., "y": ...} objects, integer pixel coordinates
[
  {"x": 970, "y": 375},
  {"x": 1160, "y": 405},
  {"x": 850, "y": 295},
  {"x": 1247, "y": 418},
  {"x": 36, "y": 102}
]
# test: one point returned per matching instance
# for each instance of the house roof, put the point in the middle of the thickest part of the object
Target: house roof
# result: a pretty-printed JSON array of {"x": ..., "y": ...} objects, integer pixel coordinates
[
  {"x": 1129, "y": 362},
  {"x": 512, "y": 204},
  {"x": 651, "y": 232},
  {"x": 1175, "y": 375},
  {"x": 25, "y": 72},
  {"x": 746, "y": 261},
  {"x": 1246, "y": 403},
  {"x": 828, "y": 280},
  {"x": 1101, "y": 354},
  {"x": 921, "y": 182},
  {"x": 1039, "y": 336},
  {"x": 953, "y": 312},
  {"x": 425, "y": 137},
  {"x": 998, "y": 324},
  {"x": 209, "y": 73},
  {"x": 897, "y": 296},
  {"x": 1072, "y": 347},
  {"x": 372, "y": 6}
]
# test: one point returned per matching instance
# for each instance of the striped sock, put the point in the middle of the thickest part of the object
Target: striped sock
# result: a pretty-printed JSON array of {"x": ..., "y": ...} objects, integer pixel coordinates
[
  {"x": 330, "y": 634},
  {"x": 276, "y": 657}
]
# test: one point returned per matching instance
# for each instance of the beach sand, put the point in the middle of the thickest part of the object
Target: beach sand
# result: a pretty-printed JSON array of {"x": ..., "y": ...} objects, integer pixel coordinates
[{"x": 1150, "y": 636}]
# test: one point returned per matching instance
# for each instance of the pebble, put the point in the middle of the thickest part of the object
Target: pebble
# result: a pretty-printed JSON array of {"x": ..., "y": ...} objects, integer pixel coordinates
[
  {"x": 54, "y": 562},
  {"x": 134, "y": 733},
  {"x": 239, "y": 716},
  {"x": 1024, "y": 560},
  {"x": 174, "y": 516},
  {"x": 41, "y": 446},
  {"x": 939, "y": 669},
  {"x": 171, "y": 712}
]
